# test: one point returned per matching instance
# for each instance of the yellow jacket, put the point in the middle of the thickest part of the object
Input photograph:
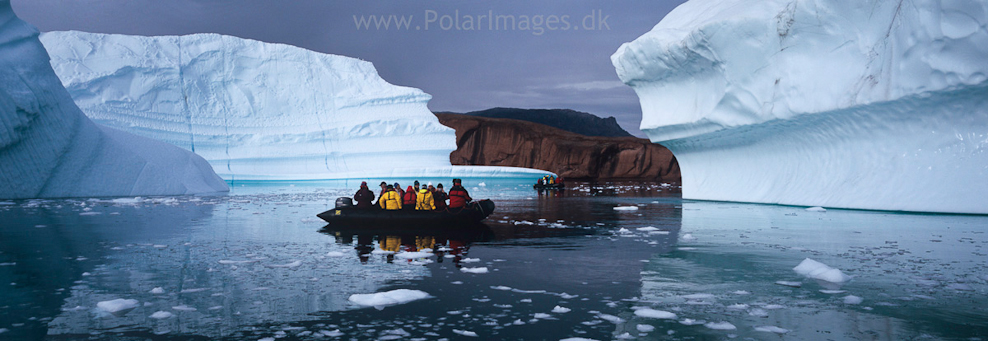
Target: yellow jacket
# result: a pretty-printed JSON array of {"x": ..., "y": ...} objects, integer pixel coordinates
[
  {"x": 424, "y": 202},
  {"x": 390, "y": 201}
]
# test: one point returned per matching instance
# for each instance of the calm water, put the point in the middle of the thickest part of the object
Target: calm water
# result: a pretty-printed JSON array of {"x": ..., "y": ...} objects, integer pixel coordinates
[{"x": 257, "y": 264}]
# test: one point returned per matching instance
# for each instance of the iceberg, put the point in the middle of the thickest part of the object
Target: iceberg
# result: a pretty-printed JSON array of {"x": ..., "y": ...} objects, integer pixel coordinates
[
  {"x": 48, "y": 148},
  {"x": 256, "y": 110},
  {"x": 837, "y": 103}
]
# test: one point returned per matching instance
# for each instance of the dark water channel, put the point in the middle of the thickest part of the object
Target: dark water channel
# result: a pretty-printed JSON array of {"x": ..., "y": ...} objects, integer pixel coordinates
[{"x": 257, "y": 264}]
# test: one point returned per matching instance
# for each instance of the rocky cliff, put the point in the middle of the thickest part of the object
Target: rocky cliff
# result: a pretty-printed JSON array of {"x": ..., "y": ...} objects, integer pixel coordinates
[{"x": 508, "y": 142}]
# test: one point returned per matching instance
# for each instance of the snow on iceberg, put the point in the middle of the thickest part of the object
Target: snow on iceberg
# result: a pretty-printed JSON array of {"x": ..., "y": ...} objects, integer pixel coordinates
[
  {"x": 837, "y": 103},
  {"x": 255, "y": 110},
  {"x": 49, "y": 149}
]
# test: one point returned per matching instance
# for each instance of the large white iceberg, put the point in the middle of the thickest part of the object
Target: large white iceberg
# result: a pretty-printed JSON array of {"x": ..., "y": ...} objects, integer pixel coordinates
[
  {"x": 48, "y": 148},
  {"x": 254, "y": 110},
  {"x": 863, "y": 104}
]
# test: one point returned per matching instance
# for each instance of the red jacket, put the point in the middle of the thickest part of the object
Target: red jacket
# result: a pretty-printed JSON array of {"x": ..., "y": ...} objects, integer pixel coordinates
[
  {"x": 458, "y": 196},
  {"x": 409, "y": 198}
]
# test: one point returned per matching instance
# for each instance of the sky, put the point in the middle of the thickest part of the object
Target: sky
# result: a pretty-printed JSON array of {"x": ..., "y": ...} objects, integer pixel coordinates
[{"x": 556, "y": 54}]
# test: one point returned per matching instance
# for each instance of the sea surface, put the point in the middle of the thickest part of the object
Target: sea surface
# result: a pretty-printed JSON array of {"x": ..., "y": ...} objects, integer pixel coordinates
[{"x": 256, "y": 264}]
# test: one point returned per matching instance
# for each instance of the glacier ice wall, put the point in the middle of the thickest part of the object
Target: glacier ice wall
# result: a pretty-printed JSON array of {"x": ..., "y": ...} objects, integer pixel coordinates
[
  {"x": 254, "y": 110},
  {"x": 838, "y": 103},
  {"x": 48, "y": 148}
]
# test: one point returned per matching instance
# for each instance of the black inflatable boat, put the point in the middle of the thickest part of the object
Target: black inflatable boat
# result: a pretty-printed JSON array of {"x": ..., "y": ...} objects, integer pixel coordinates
[{"x": 347, "y": 214}]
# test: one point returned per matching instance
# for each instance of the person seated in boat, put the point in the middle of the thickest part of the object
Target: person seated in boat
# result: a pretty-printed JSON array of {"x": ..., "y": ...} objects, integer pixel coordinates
[
  {"x": 408, "y": 199},
  {"x": 390, "y": 200},
  {"x": 424, "y": 201},
  {"x": 541, "y": 182},
  {"x": 458, "y": 196},
  {"x": 384, "y": 188},
  {"x": 364, "y": 197},
  {"x": 401, "y": 193},
  {"x": 439, "y": 197}
]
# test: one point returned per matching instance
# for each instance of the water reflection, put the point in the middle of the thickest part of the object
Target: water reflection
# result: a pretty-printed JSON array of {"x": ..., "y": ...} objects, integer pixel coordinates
[{"x": 454, "y": 241}]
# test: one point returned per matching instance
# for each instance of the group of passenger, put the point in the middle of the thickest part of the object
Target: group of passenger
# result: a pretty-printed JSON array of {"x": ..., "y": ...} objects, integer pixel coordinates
[
  {"x": 549, "y": 180},
  {"x": 417, "y": 197}
]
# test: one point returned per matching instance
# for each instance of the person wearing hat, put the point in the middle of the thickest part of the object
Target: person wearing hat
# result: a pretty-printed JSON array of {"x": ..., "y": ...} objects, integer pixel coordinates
[
  {"x": 398, "y": 189},
  {"x": 364, "y": 197},
  {"x": 390, "y": 200},
  {"x": 458, "y": 196},
  {"x": 424, "y": 201},
  {"x": 439, "y": 197},
  {"x": 384, "y": 188},
  {"x": 409, "y": 199}
]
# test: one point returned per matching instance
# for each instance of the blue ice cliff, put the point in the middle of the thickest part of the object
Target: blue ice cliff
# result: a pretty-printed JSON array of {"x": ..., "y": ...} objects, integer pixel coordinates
[
  {"x": 49, "y": 148},
  {"x": 837, "y": 103}
]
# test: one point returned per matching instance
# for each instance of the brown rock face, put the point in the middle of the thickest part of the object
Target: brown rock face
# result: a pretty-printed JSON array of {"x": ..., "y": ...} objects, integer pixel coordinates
[{"x": 507, "y": 142}]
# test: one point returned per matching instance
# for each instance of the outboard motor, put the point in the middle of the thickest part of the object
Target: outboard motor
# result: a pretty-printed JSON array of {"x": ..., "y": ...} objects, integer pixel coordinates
[{"x": 344, "y": 202}]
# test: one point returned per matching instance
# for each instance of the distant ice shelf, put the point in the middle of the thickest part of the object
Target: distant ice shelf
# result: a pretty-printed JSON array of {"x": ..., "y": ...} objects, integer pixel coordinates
[
  {"x": 255, "y": 110},
  {"x": 49, "y": 149},
  {"x": 838, "y": 103}
]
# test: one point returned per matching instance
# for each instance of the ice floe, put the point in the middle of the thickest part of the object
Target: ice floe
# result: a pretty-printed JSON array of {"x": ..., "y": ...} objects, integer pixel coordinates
[
  {"x": 816, "y": 270},
  {"x": 388, "y": 298}
]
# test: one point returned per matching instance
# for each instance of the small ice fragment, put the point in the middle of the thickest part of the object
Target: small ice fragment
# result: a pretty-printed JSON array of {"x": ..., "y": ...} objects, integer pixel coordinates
[
  {"x": 465, "y": 332},
  {"x": 412, "y": 255},
  {"x": 456, "y": 282},
  {"x": 294, "y": 264},
  {"x": 335, "y": 254},
  {"x": 648, "y": 228},
  {"x": 542, "y": 316},
  {"x": 773, "y": 306},
  {"x": 720, "y": 326},
  {"x": 739, "y": 306},
  {"x": 229, "y": 262},
  {"x": 656, "y": 314},
  {"x": 741, "y": 292},
  {"x": 851, "y": 299},
  {"x": 479, "y": 270},
  {"x": 758, "y": 312},
  {"x": 525, "y": 300},
  {"x": 625, "y": 336},
  {"x": 393, "y": 297},
  {"x": 688, "y": 237},
  {"x": 816, "y": 209},
  {"x": 161, "y": 315},
  {"x": 119, "y": 305},
  {"x": 790, "y": 284},
  {"x": 831, "y": 292},
  {"x": 645, "y": 328},
  {"x": 626, "y": 208},
  {"x": 501, "y": 287},
  {"x": 469, "y": 260},
  {"x": 690, "y": 322},
  {"x": 184, "y": 308},
  {"x": 334, "y": 333},
  {"x": 560, "y": 310},
  {"x": 610, "y": 318},
  {"x": 772, "y": 329},
  {"x": 382, "y": 252},
  {"x": 816, "y": 270},
  {"x": 160, "y": 246},
  {"x": 698, "y": 296}
]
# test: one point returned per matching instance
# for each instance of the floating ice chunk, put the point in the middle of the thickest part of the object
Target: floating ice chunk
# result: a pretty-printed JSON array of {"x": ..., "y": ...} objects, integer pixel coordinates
[
  {"x": 720, "y": 325},
  {"x": 412, "y": 255},
  {"x": 688, "y": 237},
  {"x": 465, "y": 332},
  {"x": 335, "y": 254},
  {"x": 851, "y": 299},
  {"x": 501, "y": 287},
  {"x": 623, "y": 231},
  {"x": 771, "y": 329},
  {"x": 331, "y": 333},
  {"x": 184, "y": 308},
  {"x": 758, "y": 312},
  {"x": 816, "y": 270},
  {"x": 831, "y": 292},
  {"x": 193, "y": 290},
  {"x": 648, "y": 228},
  {"x": 456, "y": 282},
  {"x": 482, "y": 184},
  {"x": 789, "y": 283},
  {"x": 691, "y": 322},
  {"x": 161, "y": 315},
  {"x": 478, "y": 270},
  {"x": 542, "y": 316},
  {"x": 382, "y": 252},
  {"x": 158, "y": 290},
  {"x": 393, "y": 297},
  {"x": 625, "y": 336},
  {"x": 816, "y": 209},
  {"x": 645, "y": 328},
  {"x": 293, "y": 264},
  {"x": 610, "y": 318},
  {"x": 656, "y": 314},
  {"x": 738, "y": 306},
  {"x": 469, "y": 260},
  {"x": 626, "y": 208},
  {"x": 741, "y": 292},
  {"x": 90, "y": 213},
  {"x": 118, "y": 306},
  {"x": 560, "y": 310}
]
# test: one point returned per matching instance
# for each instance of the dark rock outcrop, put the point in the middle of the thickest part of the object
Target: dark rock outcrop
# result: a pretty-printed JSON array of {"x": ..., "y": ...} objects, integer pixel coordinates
[
  {"x": 569, "y": 120},
  {"x": 508, "y": 142}
]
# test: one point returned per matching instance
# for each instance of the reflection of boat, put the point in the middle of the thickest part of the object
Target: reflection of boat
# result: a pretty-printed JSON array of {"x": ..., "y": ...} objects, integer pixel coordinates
[
  {"x": 464, "y": 233},
  {"x": 345, "y": 214},
  {"x": 552, "y": 186}
]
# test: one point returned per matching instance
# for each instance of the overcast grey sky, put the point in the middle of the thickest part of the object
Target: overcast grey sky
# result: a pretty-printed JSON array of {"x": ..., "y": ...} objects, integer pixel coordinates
[{"x": 559, "y": 63}]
